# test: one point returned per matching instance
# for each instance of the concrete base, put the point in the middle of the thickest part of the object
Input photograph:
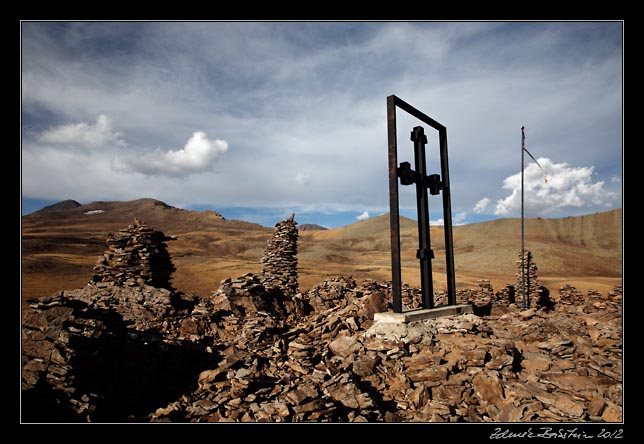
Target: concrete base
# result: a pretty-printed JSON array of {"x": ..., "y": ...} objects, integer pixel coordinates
[{"x": 421, "y": 314}]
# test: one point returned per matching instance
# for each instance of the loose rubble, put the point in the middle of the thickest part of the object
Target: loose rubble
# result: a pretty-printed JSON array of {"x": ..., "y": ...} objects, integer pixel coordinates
[{"x": 259, "y": 352}]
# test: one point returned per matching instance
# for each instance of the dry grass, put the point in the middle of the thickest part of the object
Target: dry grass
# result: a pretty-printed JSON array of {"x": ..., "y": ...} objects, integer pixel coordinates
[{"x": 59, "y": 251}]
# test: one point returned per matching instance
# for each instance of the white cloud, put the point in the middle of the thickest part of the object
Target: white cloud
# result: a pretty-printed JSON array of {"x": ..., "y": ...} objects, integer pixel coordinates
[
  {"x": 615, "y": 179},
  {"x": 566, "y": 186},
  {"x": 363, "y": 216},
  {"x": 481, "y": 205},
  {"x": 303, "y": 178},
  {"x": 312, "y": 95},
  {"x": 458, "y": 218},
  {"x": 83, "y": 135},
  {"x": 196, "y": 156}
]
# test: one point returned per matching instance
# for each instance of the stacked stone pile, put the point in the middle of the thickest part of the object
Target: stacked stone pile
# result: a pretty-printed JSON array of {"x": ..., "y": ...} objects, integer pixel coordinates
[
  {"x": 615, "y": 294},
  {"x": 247, "y": 294},
  {"x": 330, "y": 293},
  {"x": 506, "y": 296},
  {"x": 136, "y": 256},
  {"x": 279, "y": 262},
  {"x": 592, "y": 293},
  {"x": 530, "y": 280},
  {"x": 569, "y": 295}
]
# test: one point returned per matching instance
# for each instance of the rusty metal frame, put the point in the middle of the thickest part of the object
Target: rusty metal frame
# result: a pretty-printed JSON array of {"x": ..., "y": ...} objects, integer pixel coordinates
[{"x": 423, "y": 182}]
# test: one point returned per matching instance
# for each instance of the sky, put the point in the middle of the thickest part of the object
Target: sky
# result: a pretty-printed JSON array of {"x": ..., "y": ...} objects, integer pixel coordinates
[{"x": 258, "y": 120}]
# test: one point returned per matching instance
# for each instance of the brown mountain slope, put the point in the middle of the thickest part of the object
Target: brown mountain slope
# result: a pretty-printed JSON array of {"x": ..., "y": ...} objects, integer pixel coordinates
[
  {"x": 64, "y": 205},
  {"x": 59, "y": 248},
  {"x": 587, "y": 249}
]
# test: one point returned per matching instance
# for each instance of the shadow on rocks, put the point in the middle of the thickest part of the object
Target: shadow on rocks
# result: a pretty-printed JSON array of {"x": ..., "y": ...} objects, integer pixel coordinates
[{"x": 113, "y": 373}]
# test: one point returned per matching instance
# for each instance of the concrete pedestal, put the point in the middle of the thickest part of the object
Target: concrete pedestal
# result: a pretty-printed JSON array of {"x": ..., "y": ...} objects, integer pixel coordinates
[{"x": 421, "y": 314}]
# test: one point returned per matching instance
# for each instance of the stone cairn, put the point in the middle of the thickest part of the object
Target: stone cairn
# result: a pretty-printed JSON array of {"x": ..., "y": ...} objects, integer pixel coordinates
[
  {"x": 136, "y": 256},
  {"x": 531, "y": 281},
  {"x": 571, "y": 296},
  {"x": 279, "y": 262}
]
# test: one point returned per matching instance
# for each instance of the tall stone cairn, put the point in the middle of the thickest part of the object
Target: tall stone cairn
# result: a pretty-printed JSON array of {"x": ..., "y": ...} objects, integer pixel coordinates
[
  {"x": 279, "y": 262},
  {"x": 136, "y": 256},
  {"x": 532, "y": 287}
]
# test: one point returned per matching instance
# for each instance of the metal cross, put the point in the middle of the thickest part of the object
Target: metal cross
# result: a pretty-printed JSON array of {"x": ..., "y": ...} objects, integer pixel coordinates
[{"x": 423, "y": 182}]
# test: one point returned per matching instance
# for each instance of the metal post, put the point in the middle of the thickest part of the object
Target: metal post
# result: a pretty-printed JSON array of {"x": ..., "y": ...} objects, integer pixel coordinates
[
  {"x": 447, "y": 218},
  {"x": 523, "y": 301},
  {"x": 394, "y": 223},
  {"x": 424, "y": 253}
]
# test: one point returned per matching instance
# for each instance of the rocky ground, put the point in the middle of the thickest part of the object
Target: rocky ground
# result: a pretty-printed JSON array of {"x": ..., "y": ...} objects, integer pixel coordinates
[{"x": 251, "y": 354}]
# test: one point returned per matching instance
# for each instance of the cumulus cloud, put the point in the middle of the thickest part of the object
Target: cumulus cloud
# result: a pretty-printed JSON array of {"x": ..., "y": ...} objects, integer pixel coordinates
[
  {"x": 458, "y": 218},
  {"x": 303, "y": 178},
  {"x": 363, "y": 216},
  {"x": 197, "y": 156},
  {"x": 566, "y": 186},
  {"x": 481, "y": 205},
  {"x": 83, "y": 135}
]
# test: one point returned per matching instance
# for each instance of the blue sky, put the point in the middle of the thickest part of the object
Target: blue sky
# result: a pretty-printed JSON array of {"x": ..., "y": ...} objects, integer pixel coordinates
[{"x": 257, "y": 120}]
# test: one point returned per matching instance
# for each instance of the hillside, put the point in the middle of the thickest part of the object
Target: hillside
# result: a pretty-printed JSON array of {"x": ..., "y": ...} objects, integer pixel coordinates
[
  {"x": 586, "y": 247},
  {"x": 60, "y": 248},
  {"x": 60, "y": 245}
]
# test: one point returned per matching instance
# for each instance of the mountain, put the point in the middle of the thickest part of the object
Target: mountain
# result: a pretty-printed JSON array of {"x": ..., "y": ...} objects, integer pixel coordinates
[
  {"x": 61, "y": 243},
  {"x": 311, "y": 227},
  {"x": 108, "y": 214},
  {"x": 64, "y": 205}
]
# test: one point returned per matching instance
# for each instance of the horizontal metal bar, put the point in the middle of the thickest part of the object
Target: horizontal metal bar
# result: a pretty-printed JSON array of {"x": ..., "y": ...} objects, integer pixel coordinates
[{"x": 418, "y": 114}]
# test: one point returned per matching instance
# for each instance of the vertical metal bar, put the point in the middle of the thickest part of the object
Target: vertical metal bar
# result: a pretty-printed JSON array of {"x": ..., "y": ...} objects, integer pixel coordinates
[
  {"x": 422, "y": 206},
  {"x": 394, "y": 224},
  {"x": 447, "y": 218},
  {"x": 523, "y": 300}
]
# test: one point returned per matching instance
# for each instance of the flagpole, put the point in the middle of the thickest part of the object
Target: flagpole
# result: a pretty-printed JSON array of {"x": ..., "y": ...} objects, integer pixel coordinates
[{"x": 523, "y": 300}]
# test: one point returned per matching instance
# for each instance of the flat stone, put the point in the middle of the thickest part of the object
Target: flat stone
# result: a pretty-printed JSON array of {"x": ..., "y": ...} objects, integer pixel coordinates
[
  {"x": 499, "y": 362},
  {"x": 612, "y": 413},
  {"x": 344, "y": 346},
  {"x": 596, "y": 406},
  {"x": 488, "y": 389},
  {"x": 568, "y": 406},
  {"x": 527, "y": 314},
  {"x": 536, "y": 361}
]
